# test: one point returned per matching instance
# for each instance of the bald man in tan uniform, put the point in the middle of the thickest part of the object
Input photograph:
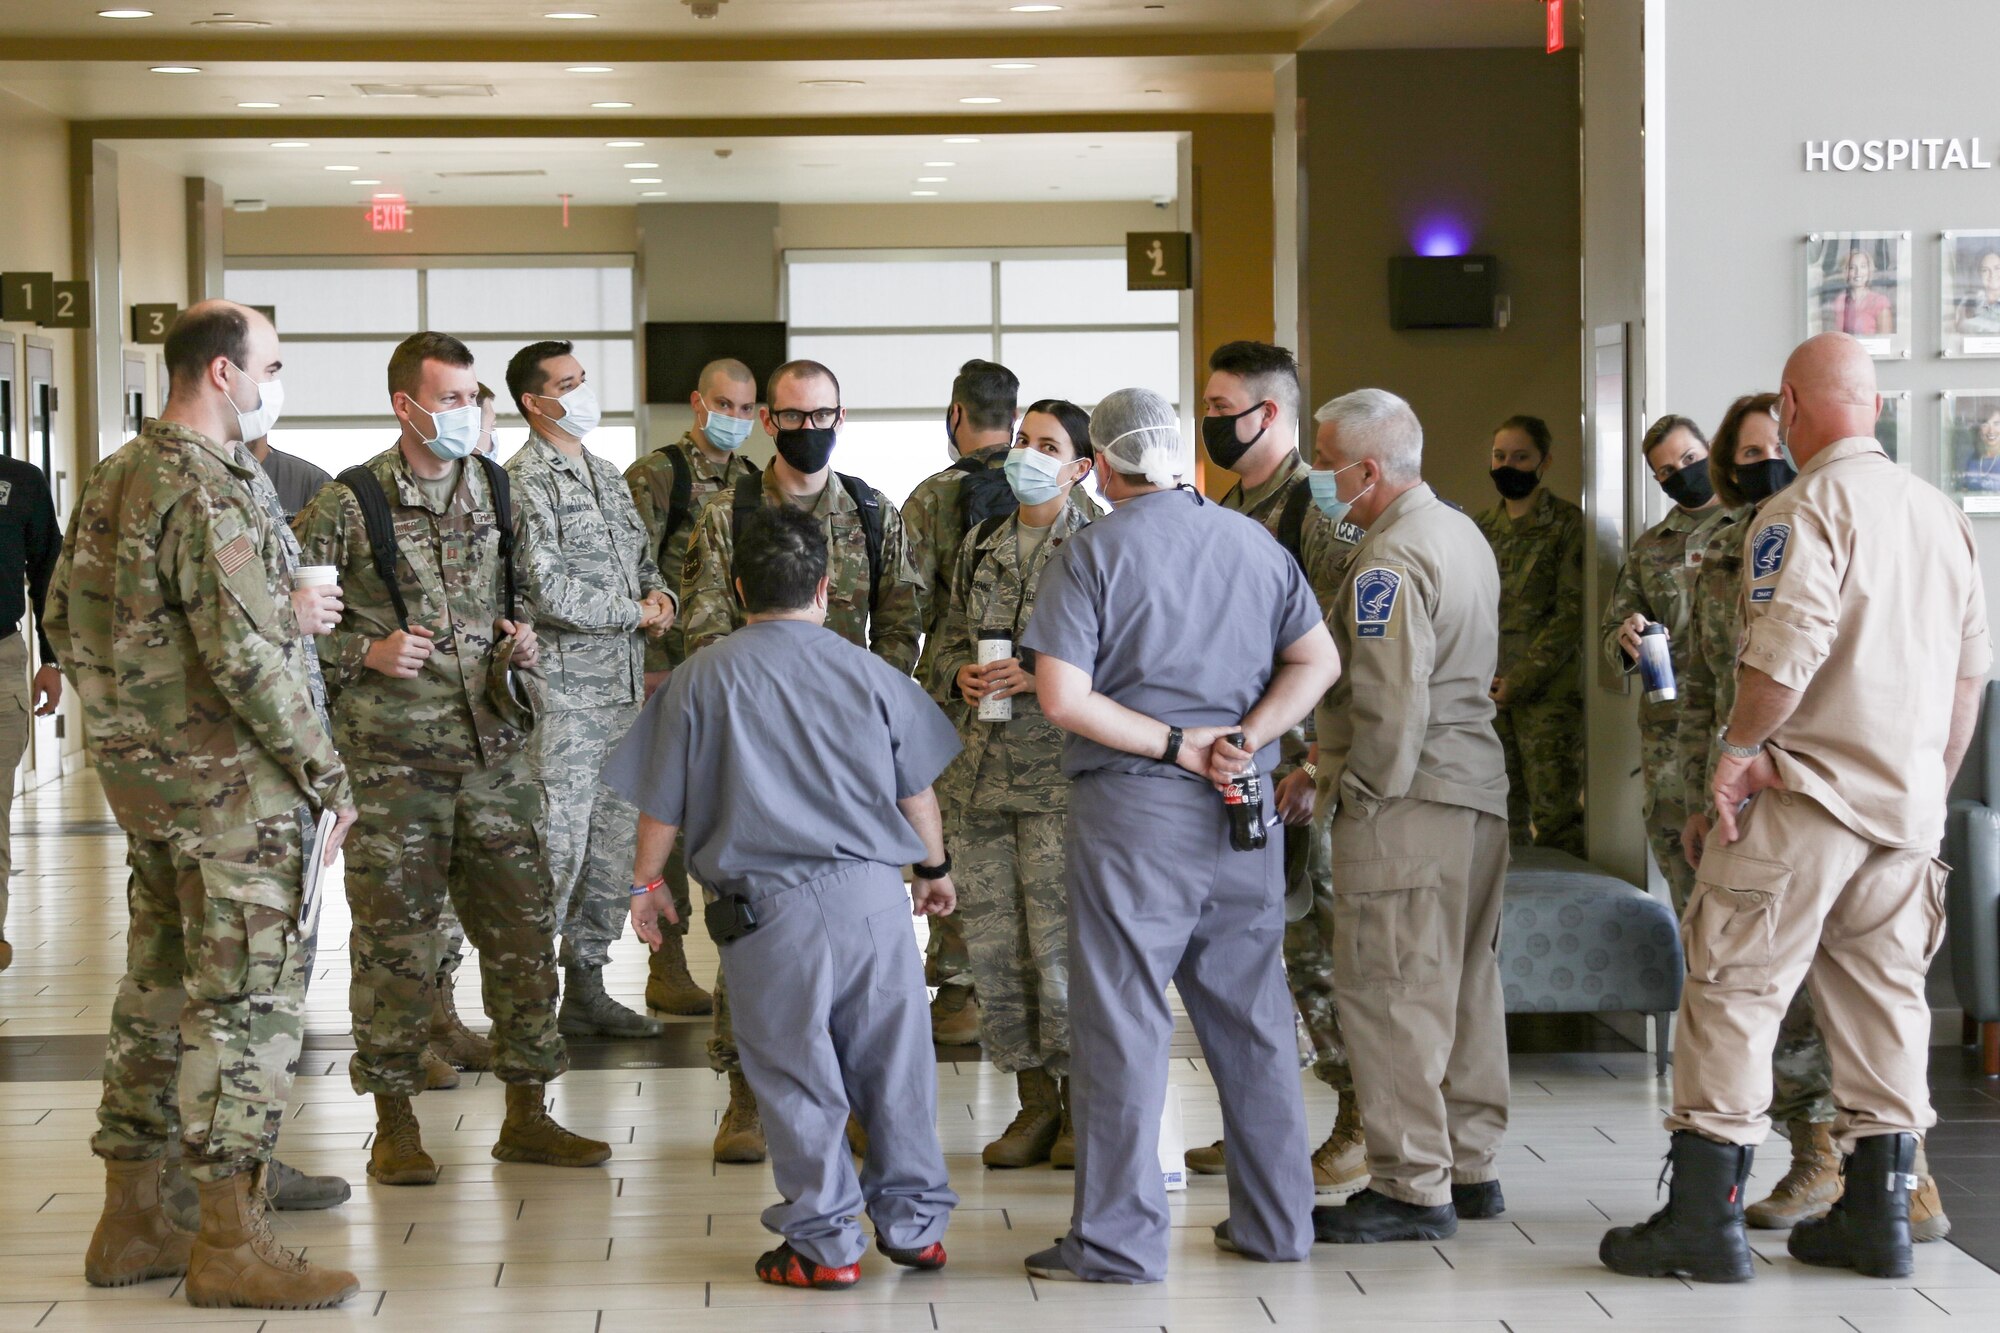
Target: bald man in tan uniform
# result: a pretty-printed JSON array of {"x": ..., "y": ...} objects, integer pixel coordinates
[
  {"x": 1864, "y": 649},
  {"x": 1417, "y": 777}
]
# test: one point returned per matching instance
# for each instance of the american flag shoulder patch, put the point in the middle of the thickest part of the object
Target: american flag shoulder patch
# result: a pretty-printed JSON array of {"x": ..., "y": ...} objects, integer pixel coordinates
[{"x": 236, "y": 554}]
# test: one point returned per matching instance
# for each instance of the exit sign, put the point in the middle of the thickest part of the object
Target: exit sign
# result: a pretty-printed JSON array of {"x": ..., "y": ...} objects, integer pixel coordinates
[
  {"x": 389, "y": 215},
  {"x": 1555, "y": 8}
]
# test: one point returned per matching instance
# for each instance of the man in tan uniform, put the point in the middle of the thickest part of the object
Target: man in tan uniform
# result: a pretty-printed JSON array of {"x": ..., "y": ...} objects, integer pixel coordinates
[
  {"x": 1864, "y": 649},
  {"x": 1414, "y": 773}
]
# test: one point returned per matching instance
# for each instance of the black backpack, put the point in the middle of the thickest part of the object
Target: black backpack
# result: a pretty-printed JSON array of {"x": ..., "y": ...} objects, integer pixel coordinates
[
  {"x": 749, "y": 499},
  {"x": 983, "y": 493},
  {"x": 680, "y": 499},
  {"x": 381, "y": 527}
]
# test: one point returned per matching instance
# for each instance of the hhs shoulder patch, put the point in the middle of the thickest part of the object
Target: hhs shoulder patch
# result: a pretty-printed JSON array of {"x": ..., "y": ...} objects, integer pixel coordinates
[
  {"x": 1375, "y": 601},
  {"x": 1767, "y": 557}
]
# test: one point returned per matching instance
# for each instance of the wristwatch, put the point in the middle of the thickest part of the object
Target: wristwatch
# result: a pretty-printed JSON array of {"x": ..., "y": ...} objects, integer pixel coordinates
[
  {"x": 1737, "y": 751},
  {"x": 938, "y": 871},
  {"x": 1309, "y": 768},
  {"x": 1173, "y": 749}
]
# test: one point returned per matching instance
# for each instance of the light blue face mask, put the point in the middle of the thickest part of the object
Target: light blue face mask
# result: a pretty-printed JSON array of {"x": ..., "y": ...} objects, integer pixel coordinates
[
  {"x": 1784, "y": 445},
  {"x": 1034, "y": 477},
  {"x": 727, "y": 433},
  {"x": 457, "y": 430},
  {"x": 1325, "y": 488}
]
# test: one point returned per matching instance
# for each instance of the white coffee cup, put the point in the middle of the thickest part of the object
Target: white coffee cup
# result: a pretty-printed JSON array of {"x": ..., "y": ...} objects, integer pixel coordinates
[
  {"x": 992, "y": 709},
  {"x": 316, "y": 576}
]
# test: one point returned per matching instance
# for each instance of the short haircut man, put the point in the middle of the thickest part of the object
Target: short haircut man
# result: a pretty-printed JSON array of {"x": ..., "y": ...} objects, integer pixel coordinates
[
  {"x": 406, "y": 363},
  {"x": 524, "y": 370},
  {"x": 988, "y": 392},
  {"x": 1376, "y": 424},
  {"x": 799, "y": 370},
  {"x": 1267, "y": 371},
  {"x": 724, "y": 370},
  {"x": 209, "y": 330},
  {"x": 779, "y": 561}
]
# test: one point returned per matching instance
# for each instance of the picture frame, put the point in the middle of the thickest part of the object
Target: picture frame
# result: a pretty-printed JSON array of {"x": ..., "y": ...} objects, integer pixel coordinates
[
  {"x": 1969, "y": 449},
  {"x": 1858, "y": 282},
  {"x": 1892, "y": 428},
  {"x": 1969, "y": 298}
]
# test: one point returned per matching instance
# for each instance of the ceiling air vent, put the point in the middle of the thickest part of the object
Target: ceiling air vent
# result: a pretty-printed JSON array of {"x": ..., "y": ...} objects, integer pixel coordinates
[
  {"x": 431, "y": 90},
  {"x": 488, "y": 175}
]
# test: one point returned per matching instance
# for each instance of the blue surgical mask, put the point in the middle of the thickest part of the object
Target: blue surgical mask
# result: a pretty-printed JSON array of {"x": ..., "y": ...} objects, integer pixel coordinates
[
  {"x": 457, "y": 430},
  {"x": 1033, "y": 475},
  {"x": 1784, "y": 445},
  {"x": 1326, "y": 492},
  {"x": 727, "y": 433}
]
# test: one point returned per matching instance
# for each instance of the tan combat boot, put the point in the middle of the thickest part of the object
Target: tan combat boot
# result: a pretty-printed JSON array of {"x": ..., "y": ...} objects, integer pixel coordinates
[
  {"x": 451, "y": 1040},
  {"x": 134, "y": 1240},
  {"x": 530, "y": 1134},
  {"x": 669, "y": 987},
  {"x": 439, "y": 1076},
  {"x": 6, "y": 954},
  {"x": 1033, "y": 1133},
  {"x": 398, "y": 1157},
  {"x": 1927, "y": 1219},
  {"x": 954, "y": 1017},
  {"x": 1209, "y": 1161},
  {"x": 740, "y": 1136},
  {"x": 238, "y": 1262},
  {"x": 1808, "y": 1189},
  {"x": 1062, "y": 1153},
  {"x": 1340, "y": 1166}
]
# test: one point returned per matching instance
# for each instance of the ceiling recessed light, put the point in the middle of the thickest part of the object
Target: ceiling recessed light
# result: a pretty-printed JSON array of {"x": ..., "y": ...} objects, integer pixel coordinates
[
  {"x": 257, "y": 106},
  {"x": 588, "y": 69},
  {"x": 924, "y": 194},
  {"x": 569, "y": 14},
  {"x": 365, "y": 182},
  {"x": 932, "y": 180},
  {"x": 389, "y": 194},
  {"x": 646, "y": 180},
  {"x": 961, "y": 140},
  {"x": 626, "y": 143},
  {"x": 1034, "y": 9},
  {"x": 940, "y": 164},
  {"x": 337, "y": 168},
  {"x": 291, "y": 143},
  {"x": 1011, "y": 64},
  {"x": 611, "y": 106},
  {"x": 979, "y": 101},
  {"x": 230, "y": 23},
  {"x": 832, "y": 83},
  {"x": 652, "y": 194},
  {"x": 124, "y": 13},
  {"x": 176, "y": 69},
  {"x": 641, "y": 166}
]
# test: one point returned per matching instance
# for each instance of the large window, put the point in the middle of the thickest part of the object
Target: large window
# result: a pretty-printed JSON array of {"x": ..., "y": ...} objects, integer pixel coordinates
[
  {"x": 340, "y": 318},
  {"x": 895, "y": 325}
]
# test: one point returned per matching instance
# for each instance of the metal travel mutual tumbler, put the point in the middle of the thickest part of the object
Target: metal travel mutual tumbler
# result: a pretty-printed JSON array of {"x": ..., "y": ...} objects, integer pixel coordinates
[{"x": 1656, "y": 665}]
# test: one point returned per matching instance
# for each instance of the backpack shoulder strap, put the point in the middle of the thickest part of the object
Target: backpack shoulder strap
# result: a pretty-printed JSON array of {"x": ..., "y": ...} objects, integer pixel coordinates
[
  {"x": 503, "y": 509},
  {"x": 680, "y": 500},
  {"x": 747, "y": 499},
  {"x": 381, "y": 529},
  {"x": 984, "y": 532},
  {"x": 870, "y": 504},
  {"x": 1292, "y": 522}
]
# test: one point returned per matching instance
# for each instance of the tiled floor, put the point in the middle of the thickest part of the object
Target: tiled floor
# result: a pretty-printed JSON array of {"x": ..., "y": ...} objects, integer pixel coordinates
[{"x": 662, "y": 1238}]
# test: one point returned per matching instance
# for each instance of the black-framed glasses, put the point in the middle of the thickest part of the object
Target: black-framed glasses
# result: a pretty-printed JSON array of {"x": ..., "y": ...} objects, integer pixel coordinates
[{"x": 791, "y": 418}]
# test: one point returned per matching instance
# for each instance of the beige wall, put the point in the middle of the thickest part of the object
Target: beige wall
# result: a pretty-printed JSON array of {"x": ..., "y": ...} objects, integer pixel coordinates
[
  {"x": 433, "y": 231},
  {"x": 152, "y": 233},
  {"x": 922, "y": 226}
]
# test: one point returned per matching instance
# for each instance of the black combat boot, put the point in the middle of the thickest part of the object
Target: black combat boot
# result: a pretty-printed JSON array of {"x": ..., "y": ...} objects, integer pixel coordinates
[
  {"x": 1699, "y": 1234},
  {"x": 1868, "y": 1227}
]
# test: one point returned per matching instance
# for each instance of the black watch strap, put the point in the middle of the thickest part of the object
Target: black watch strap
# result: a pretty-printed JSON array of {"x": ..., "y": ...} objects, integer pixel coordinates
[
  {"x": 1173, "y": 750},
  {"x": 938, "y": 871}
]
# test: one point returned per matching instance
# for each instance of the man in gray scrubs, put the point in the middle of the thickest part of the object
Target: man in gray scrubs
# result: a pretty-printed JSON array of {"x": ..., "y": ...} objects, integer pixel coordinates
[
  {"x": 800, "y": 767},
  {"x": 1160, "y": 632}
]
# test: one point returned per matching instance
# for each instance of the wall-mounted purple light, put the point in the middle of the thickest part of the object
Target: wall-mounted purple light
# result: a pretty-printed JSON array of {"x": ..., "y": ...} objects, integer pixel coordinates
[{"x": 1439, "y": 235}]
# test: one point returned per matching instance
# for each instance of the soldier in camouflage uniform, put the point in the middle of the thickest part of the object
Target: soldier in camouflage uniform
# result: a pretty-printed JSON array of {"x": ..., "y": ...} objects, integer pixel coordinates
[
  {"x": 588, "y": 580},
  {"x": 709, "y": 456},
  {"x": 802, "y": 413},
  {"x": 1251, "y": 427},
  {"x": 1005, "y": 795},
  {"x": 1656, "y": 586},
  {"x": 1538, "y": 541},
  {"x": 171, "y": 610},
  {"x": 433, "y": 721}
]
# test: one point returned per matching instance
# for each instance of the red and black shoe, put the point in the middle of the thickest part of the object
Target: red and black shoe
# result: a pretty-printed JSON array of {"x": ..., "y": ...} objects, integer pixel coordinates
[
  {"x": 786, "y": 1267},
  {"x": 929, "y": 1259}
]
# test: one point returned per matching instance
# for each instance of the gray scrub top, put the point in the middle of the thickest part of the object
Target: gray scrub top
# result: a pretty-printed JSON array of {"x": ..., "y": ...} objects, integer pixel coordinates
[
  {"x": 780, "y": 752},
  {"x": 1178, "y": 609}
]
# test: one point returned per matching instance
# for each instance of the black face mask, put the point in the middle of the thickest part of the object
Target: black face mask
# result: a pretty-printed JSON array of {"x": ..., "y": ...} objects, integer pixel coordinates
[
  {"x": 807, "y": 449},
  {"x": 1514, "y": 483},
  {"x": 1765, "y": 478},
  {"x": 1689, "y": 488},
  {"x": 1219, "y": 434}
]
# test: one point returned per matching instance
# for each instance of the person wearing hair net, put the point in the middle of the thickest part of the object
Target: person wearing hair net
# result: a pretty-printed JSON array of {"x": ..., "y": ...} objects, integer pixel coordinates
[{"x": 1161, "y": 632}]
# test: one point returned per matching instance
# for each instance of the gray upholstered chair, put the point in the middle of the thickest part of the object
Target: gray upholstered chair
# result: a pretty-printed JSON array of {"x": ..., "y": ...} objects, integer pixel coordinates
[{"x": 1972, "y": 897}]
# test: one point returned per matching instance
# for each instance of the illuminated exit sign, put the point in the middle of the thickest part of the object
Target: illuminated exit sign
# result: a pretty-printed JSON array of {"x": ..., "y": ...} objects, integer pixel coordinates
[{"x": 389, "y": 215}]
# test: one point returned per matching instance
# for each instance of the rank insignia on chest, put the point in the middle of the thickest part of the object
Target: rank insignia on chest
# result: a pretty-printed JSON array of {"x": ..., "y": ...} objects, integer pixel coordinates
[
  {"x": 1767, "y": 557},
  {"x": 1375, "y": 601},
  {"x": 236, "y": 554}
]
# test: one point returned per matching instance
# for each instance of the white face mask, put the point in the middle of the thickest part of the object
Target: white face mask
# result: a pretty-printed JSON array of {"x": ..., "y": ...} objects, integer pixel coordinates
[
  {"x": 457, "y": 430},
  {"x": 580, "y": 411},
  {"x": 257, "y": 422}
]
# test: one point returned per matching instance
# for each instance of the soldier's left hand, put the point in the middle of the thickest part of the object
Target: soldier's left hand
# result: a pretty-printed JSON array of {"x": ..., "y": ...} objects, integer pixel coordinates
[
  {"x": 343, "y": 820},
  {"x": 663, "y": 613},
  {"x": 1295, "y": 797},
  {"x": 527, "y": 649},
  {"x": 48, "y": 691},
  {"x": 317, "y": 609},
  {"x": 648, "y": 910},
  {"x": 933, "y": 897},
  {"x": 1736, "y": 781},
  {"x": 1006, "y": 678},
  {"x": 1500, "y": 691}
]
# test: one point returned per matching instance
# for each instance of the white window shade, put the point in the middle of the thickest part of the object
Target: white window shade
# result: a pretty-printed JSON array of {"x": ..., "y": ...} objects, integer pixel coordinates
[
  {"x": 1078, "y": 291},
  {"x": 337, "y": 379},
  {"x": 893, "y": 371},
  {"x": 889, "y": 295},
  {"x": 565, "y": 301},
  {"x": 344, "y": 300},
  {"x": 1084, "y": 367}
]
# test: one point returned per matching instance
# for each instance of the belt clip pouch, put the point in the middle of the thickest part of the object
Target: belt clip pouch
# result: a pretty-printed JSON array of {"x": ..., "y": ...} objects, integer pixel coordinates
[{"x": 729, "y": 918}]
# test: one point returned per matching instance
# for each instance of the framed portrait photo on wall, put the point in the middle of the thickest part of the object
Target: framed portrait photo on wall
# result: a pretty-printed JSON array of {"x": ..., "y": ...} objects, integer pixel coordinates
[
  {"x": 1969, "y": 449},
  {"x": 1969, "y": 264},
  {"x": 1858, "y": 282},
  {"x": 1892, "y": 428}
]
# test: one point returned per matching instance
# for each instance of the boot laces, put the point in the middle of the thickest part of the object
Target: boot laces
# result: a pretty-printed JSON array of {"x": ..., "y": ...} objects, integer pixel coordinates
[
  {"x": 404, "y": 1134},
  {"x": 264, "y": 1241}
]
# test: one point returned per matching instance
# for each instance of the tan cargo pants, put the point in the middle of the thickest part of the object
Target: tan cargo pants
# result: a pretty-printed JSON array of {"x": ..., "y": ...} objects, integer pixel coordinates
[
  {"x": 15, "y": 724},
  {"x": 1800, "y": 897},
  {"x": 1417, "y": 892}
]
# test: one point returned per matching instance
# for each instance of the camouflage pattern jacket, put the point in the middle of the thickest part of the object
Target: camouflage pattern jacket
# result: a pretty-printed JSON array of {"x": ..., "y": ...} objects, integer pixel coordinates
[
  {"x": 711, "y": 609},
  {"x": 170, "y": 609},
  {"x": 651, "y": 480},
  {"x": 455, "y": 715},
  {"x": 935, "y": 531},
  {"x": 584, "y": 560},
  {"x": 1541, "y": 597},
  {"x": 1657, "y": 582},
  {"x": 1014, "y": 765},
  {"x": 1708, "y": 688}
]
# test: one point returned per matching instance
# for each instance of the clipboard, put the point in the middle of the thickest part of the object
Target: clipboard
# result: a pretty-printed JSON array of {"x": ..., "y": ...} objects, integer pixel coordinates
[{"x": 309, "y": 896}]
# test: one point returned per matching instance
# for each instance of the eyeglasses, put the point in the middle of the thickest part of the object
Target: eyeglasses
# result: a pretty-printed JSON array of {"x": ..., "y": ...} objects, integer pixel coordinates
[{"x": 792, "y": 418}]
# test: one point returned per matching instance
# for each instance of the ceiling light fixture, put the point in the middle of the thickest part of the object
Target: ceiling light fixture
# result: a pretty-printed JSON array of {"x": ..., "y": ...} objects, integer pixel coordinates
[
  {"x": 611, "y": 106},
  {"x": 1012, "y": 64},
  {"x": 588, "y": 69},
  {"x": 652, "y": 194},
  {"x": 641, "y": 166},
  {"x": 291, "y": 143},
  {"x": 932, "y": 180},
  {"x": 940, "y": 164},
  {"x": 347, "y": 168},
  {"x": 388, "y": 194},
  {"x": 832, "y": 83},
  {"x": 569, "y": 14},
  {"x": 924, "y": 194},
  {"x": 365, "y": 182},
  {"x": 175, "y": 69},
  {"x": 124, "y": 13},
  {"x": 1033, "y": 9},
  {"x": 979, "y": 101},
  {"x": 626, "y": 143},
  {"x": 257, "y": 106},
  {"x": 647, "y": 180},
  {"x": 961, "y": 140}
]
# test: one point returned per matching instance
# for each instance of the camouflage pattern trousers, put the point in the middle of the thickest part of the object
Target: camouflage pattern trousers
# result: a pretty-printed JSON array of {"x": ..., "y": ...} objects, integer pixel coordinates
[
  {"x": 1801, "y": 1069},
  {"x": 589, "y": 830},
  {"x": 1544, "y": 745},
  {"x": 424, "y": 837},
  {"x": 1014, "y": 910},
  {"x": 1309, "y": 953},
  {"x": 207, "y": 1022}
]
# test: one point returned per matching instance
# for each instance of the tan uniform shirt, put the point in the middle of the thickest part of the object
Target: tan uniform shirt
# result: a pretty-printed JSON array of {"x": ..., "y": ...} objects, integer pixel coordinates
[
  {"x": 1417, "y": 621},
  {"x": 1862, "y": 590}
]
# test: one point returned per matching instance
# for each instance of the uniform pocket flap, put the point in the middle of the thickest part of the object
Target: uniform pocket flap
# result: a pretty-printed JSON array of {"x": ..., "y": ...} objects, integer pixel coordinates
[
  {"x": 1746, "y": 874},
  {"x": 1390, "y": 875}
]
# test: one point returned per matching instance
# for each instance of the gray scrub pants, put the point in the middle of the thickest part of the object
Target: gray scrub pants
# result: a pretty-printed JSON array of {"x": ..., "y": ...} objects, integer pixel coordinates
[
  {"x": 1156, "y": 893},
  {"x": 831, "y": 1015}
]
